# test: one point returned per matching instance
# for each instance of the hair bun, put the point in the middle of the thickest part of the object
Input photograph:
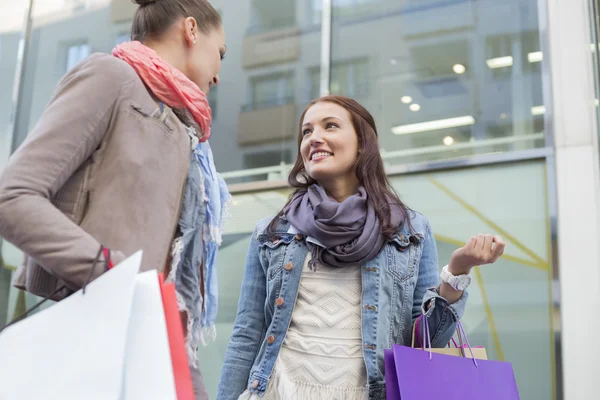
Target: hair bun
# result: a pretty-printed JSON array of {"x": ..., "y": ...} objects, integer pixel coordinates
[{"x": 143, "y": 2}]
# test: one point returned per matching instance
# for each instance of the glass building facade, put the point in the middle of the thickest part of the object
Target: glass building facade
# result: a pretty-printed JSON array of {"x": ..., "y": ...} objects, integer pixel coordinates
[{"x": 461, "y": 91}]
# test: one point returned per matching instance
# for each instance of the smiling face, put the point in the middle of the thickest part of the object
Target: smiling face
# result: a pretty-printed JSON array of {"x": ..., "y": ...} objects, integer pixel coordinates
[{"x": 329, "y": 146}]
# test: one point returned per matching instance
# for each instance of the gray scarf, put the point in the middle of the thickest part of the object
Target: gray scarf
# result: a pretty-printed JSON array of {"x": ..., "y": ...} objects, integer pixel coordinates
[{"x": 349, "y": 232}]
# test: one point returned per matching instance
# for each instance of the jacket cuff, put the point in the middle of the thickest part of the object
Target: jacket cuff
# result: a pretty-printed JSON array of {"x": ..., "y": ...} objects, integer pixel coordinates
[{"x": 432, "y": 301}]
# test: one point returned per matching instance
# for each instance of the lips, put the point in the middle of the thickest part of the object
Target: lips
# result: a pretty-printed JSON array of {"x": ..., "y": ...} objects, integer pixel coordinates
[{"x": 320, "y": 154}]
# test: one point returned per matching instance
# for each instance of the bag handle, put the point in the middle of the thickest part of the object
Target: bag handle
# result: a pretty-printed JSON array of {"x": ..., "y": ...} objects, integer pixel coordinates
[
  {"x": 415, "y": 332},
  {"x": 101, "y": 251},
  {"x": 426, "y": 345}
]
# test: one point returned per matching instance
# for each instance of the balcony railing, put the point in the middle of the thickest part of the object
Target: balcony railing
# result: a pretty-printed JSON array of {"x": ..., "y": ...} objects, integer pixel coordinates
[{"x": 281, "y": 171}]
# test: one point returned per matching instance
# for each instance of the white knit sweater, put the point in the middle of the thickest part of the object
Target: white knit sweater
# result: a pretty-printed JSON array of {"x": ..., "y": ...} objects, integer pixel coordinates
[{"x": 321, "y": 357}]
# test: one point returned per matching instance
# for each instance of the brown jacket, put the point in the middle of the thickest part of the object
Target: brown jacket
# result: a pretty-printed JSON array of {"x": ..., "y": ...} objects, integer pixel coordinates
[{"x": 104, "y": 165}]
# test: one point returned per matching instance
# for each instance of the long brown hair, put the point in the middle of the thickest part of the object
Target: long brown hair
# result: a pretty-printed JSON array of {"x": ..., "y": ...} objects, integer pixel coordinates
[
  {"x": 369, "y": 166},
  {"x": 153, "y": 17}
]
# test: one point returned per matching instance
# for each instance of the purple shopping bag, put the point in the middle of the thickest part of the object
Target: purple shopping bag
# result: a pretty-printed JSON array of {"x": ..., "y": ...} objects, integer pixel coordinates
[
  {"x": 392, "y": 391},
  {"x": 415, "y": 374}
]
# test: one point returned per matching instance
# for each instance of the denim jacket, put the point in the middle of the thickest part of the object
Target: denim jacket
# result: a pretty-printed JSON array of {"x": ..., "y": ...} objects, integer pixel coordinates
[{"x": 397, "y": 286}]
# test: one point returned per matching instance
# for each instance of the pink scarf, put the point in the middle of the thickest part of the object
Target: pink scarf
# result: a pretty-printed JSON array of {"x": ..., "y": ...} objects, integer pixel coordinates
[{"x": 169, "y": 84}]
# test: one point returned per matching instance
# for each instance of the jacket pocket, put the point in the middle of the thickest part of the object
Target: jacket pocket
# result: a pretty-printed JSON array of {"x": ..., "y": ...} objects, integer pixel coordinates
[
  {"x": 157, "y": 117},
  {"x": 273, "y": 251},
  {"x": 402, "y": 253}
]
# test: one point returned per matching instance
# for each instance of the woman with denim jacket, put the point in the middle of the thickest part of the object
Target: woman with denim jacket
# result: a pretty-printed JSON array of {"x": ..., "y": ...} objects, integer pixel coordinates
[{"x": 341, "y": 273}]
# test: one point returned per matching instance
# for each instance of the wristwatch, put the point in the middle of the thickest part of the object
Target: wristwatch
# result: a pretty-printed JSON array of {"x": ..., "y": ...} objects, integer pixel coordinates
[{"x": 460, "y": 282}]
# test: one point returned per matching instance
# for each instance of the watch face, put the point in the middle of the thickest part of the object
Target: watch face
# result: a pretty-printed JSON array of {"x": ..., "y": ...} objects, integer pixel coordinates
[{"x": 463, "y": 282}]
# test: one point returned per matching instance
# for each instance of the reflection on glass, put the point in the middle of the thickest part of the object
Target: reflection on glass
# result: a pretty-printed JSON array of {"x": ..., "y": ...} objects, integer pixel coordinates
[
  {"x": 348, "y": 78},
  {"x": 595, "y": 34},
  {"x": 444, "y": 79},
  {"x": 12, "y": 20},
  {"x": 75, "y": 54},
  {"x": 272, "y": 90}
]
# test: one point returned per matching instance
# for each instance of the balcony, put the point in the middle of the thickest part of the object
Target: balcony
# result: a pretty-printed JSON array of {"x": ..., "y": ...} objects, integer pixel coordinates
[
  {"x": 272, "y": 42},
  {"x": 268, "y": 122}
]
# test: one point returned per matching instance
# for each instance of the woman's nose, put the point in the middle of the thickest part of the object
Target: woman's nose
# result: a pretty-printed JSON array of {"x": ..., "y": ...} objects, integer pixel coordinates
[
  {"x": 216, "y": 80},
  {"x": 316, "y": 137}
]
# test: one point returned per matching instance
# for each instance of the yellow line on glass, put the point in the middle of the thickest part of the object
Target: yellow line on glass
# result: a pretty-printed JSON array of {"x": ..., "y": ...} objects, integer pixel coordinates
[
  {"x": 489, "y": 314},
  {"x": 489, "y": 222}
]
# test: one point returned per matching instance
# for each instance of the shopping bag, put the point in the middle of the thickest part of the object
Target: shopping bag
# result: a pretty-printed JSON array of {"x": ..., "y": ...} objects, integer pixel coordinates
[
  {"x": 409, "y": 372},
  {"x": 110, "y": 341},
  {"x": 179, "y": 359},
  {"x": 148, "y": 369}
]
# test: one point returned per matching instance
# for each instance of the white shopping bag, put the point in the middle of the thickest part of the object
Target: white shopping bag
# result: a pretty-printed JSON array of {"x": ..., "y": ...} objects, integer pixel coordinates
[
  {"x": 148, "y": 368},
  {"x": 109, "y": 343}
]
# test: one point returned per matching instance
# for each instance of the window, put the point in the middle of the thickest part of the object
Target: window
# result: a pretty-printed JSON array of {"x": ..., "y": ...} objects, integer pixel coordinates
[
  {"x": 272, "y": 90},
  {"x": 267, "y": 15},
  {"x": 348, "y": 78},
  {"x": 267, "y": 158},
  {"x": 343, "y": 8},
  {"x": 76, "y": 54}
]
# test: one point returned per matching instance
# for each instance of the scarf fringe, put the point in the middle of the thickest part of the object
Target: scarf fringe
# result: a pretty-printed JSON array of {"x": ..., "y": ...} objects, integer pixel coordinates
[
  {"x": 176, "y": 250},
  {"x": 208, "y": 335},
  {"x": 190, "y": 345}
]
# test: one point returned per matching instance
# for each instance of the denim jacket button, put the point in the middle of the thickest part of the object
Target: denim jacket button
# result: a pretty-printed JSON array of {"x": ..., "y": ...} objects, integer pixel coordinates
[
  {"x": 271, "y": 339},
  {"x": 254, "y": 384},
  {"x": 289, "y": 266},
  {"x": 279, "y": 302}
]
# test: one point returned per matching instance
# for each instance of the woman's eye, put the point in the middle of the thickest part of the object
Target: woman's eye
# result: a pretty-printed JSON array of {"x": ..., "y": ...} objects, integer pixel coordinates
[
  {"x": 331, "y": 125},
  {"x": 305, "y": 132}
]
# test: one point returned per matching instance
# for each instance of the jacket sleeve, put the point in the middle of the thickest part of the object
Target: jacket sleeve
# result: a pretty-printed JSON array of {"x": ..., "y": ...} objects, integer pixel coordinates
[
  {"x": 442, "y": 316},
  {"x": 249, "y": 328},
  {"x": 68, "y": 132}
]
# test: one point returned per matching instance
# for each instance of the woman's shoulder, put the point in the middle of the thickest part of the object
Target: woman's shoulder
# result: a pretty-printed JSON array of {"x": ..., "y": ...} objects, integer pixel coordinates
[
  {"x": 416, "y": 218},
  {"x": 104, "y": 67},
  {"x": 417, "y": 224},
  {"x": 261, "y": 227}
]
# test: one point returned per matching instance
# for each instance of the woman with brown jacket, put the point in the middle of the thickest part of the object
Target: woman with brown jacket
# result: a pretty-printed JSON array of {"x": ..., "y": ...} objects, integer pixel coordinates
[{"x": 119, "y": 161}]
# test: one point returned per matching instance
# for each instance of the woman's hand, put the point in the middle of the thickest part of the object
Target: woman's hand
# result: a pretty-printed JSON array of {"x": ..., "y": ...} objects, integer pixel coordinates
[{"x": 479, "y": 250}]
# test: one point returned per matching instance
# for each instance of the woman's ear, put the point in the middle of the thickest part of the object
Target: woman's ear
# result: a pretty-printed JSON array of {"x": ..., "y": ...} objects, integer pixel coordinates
[{"x": 191, "y": 30}]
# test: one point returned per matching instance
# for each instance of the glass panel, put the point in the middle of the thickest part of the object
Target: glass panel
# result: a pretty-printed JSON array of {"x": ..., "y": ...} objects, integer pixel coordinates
[
  {"x": 262, "y": 90},
  {"x": 12, "y": 20},
  {"x": 443, "y": 79},
  {"x": 268, "y": 15},
  {"x": 595, "y": 34},
  {"x": 510, "y": 303},
  {"x": 349, "y": 78}
]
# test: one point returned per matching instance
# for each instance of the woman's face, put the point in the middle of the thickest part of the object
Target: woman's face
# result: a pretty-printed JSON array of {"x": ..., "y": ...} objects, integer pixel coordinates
[
  {"x": 329, "y": 146},
  {"x": 204, "y": 58}
]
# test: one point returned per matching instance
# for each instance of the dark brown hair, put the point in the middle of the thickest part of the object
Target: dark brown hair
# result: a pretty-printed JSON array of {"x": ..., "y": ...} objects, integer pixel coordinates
[
  {"x": 369, "y": 166},
  {"x": 154, "y": 17}
]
